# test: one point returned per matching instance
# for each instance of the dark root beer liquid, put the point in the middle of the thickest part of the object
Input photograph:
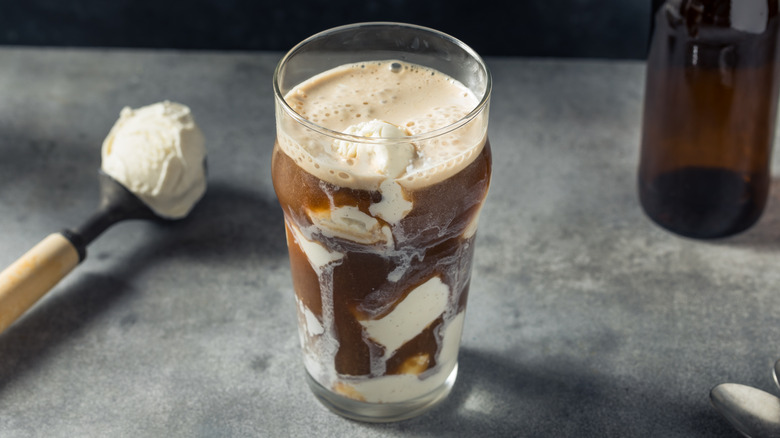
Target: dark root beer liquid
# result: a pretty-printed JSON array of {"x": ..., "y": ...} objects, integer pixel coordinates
[
  {"x": 709, "y": 116},
  {"x": 381, "y": 232}
]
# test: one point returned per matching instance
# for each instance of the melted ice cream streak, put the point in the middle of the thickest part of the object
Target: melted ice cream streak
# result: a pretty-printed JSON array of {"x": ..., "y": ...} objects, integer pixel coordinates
[{"x": 379, "y": 105}]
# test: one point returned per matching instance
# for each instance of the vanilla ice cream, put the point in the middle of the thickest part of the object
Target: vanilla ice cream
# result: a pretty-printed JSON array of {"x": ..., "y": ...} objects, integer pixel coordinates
[
  {"x": 158, "y": 153},
  {"x": 370, "y": 159}
]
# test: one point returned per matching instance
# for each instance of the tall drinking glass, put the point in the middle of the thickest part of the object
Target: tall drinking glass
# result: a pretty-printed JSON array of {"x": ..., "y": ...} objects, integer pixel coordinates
[{"x": 381, "y": 166}]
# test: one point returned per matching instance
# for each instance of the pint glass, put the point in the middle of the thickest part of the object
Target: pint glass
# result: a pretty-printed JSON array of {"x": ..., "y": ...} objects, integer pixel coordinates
[{"x": 381, "y": 166}]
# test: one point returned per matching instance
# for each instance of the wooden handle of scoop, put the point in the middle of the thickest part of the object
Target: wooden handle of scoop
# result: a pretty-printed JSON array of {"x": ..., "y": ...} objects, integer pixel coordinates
[{"x": 24, "y": 282}]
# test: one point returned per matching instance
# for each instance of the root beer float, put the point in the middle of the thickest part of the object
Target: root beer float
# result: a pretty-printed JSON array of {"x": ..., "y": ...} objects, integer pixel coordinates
[{"x": 381, "y": 167}]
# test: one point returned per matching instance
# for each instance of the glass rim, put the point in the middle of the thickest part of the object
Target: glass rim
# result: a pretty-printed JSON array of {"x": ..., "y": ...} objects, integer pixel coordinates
[{"x": 374, "y": 140}]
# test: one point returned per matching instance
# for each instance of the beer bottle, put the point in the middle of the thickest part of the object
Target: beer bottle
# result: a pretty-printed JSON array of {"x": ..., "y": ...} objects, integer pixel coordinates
[{"x": 709, "y": 115}]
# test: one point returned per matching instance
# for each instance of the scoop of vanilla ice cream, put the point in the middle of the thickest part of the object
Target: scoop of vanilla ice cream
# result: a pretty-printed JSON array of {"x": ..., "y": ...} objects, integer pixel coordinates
[
  {"x": 158, "y": 153},
  {"x": 390, "y": 160}
]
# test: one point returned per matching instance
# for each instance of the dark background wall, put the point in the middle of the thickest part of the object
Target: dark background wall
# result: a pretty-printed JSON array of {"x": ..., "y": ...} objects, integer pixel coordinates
[{"x": 562, "y": 28}]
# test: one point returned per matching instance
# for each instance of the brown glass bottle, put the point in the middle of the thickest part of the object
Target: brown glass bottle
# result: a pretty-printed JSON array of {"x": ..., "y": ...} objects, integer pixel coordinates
[{"x": 709, "y": 115}]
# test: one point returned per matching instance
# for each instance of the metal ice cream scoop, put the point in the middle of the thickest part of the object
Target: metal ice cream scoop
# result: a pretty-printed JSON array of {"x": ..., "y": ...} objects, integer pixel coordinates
[{"x": 31, "y": 276}]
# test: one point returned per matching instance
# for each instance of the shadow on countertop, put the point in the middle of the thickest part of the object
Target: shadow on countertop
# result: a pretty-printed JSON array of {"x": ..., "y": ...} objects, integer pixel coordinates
[
  {"x": 498, "y": 398},
  {"x": 229, "y": 223}
]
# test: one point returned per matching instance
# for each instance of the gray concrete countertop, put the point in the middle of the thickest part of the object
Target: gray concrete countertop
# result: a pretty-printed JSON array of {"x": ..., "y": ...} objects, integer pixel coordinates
[{"x": 584, "y": 320}]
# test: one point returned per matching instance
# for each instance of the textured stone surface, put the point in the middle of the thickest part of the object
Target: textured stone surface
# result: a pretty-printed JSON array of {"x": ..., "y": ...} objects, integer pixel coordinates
[{"x": 584, "y": 318}]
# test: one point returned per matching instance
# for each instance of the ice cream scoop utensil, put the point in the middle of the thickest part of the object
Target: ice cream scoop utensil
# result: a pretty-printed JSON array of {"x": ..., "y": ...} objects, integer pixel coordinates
[
  {"x": 754, "y": 413},
  {"x": 25, "y": 281},
  {"x": 153, "y": 166}
]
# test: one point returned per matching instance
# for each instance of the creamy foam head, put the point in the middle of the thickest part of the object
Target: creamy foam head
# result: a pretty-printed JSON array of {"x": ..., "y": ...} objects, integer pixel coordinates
[{"x": 415, "y": 99}]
